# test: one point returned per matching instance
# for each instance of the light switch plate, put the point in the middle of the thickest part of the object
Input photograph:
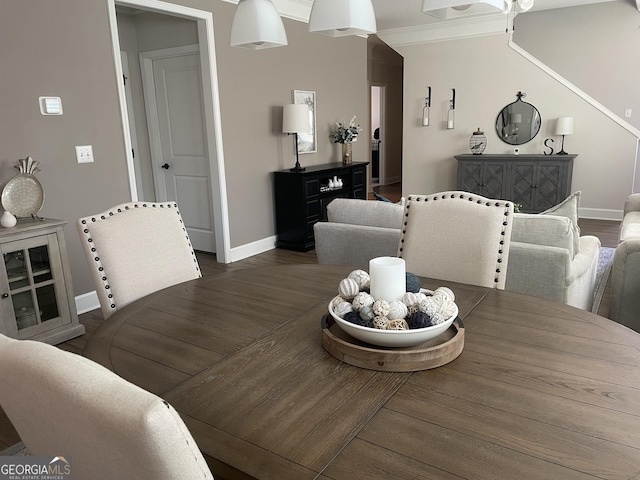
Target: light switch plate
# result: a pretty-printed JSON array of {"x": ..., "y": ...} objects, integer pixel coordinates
[
  {"x": 84, "y": 153},
  {"x": 50, "y": 105}
]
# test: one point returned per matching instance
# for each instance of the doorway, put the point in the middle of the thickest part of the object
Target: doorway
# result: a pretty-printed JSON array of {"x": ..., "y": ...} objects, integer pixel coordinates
[
  {"x": 377, "y": 150},
  {"x": 215, "y": 187}
]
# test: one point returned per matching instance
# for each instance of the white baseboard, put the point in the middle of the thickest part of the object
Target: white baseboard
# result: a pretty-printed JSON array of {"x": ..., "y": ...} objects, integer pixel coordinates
[
  {"x": 253, "y": 248},
  {"x": 87, "y": 302},
  {"x": 601, "y": 214}
]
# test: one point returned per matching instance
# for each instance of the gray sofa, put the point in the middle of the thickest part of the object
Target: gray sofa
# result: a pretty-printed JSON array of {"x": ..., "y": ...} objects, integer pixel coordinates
[
  {"x": 548, "y": 257},
  {"x": 625, "y": 273}
]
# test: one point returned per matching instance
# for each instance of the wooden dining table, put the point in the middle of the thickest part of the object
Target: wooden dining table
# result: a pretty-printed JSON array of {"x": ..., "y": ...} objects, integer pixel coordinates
[{"x": 541, "y": 390}]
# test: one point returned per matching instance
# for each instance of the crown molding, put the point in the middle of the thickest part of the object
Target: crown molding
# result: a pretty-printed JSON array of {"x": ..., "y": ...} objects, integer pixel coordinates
[{"x": 446, "y": 30}]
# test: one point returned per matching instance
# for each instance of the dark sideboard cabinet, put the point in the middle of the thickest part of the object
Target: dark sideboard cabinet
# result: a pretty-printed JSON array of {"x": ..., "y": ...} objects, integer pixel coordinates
[
  {"x": 537, "y": 182},
  {"x": 302, "y": 198}
]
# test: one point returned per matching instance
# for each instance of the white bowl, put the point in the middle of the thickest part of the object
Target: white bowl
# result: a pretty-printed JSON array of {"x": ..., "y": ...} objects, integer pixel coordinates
[{"x": 393, "y": 338}]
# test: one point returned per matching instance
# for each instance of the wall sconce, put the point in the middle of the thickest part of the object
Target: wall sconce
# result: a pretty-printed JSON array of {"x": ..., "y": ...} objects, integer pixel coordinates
[
  {"x": 425, "y": 110},
  {"x": 452, "y": 111},
  {"x": 295, "y": 120}
]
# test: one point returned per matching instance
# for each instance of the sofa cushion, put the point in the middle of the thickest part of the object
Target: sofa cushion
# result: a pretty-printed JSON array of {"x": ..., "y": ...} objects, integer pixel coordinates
[
  {"x": 545, "y": 230},
  {"x": 569, "y": 208},
  {"x": 365, "y": 212},
  {"x": 630, "y": 226}
]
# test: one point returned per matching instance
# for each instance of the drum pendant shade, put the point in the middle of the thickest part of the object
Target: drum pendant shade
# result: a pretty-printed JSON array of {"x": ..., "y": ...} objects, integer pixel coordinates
[{"x": 257, "y": 24}]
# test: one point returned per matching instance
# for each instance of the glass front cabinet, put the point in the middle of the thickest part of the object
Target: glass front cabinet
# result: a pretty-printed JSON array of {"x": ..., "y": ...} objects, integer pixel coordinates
[{"x": 35, "y": 283}]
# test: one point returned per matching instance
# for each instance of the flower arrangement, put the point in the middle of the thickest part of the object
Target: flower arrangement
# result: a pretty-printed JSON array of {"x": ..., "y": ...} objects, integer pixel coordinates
[{"x": 346, "y": 133}]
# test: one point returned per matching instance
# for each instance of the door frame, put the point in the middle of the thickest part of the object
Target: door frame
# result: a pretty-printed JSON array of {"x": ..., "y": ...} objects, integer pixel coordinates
[
  {"x": 211, "y": 108},
  {"x": 382, "y": 174}
]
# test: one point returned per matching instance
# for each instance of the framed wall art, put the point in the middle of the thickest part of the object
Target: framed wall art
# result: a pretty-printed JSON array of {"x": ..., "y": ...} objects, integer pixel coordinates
[{"x": 307, "y": 141}]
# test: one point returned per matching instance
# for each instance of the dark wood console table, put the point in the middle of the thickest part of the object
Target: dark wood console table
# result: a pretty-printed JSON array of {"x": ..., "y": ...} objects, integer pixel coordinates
[
  {"x": 537, "y": 182},
  {"x": 302, "y": 197}
]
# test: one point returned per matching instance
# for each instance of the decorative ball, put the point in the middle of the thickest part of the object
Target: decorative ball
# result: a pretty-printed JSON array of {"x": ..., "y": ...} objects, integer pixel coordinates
[
  {"x": 438, "y": 318},
  {"x": 348, "y": 288},
  {"x": 381, "y": 308},
  {"x": 429, "y": 306},
  {"x": 380, "y": 322},
  {"x": 447, "y": 291},
  {"x": 361, "y": 277},
  {"x": 362, "y": 300},
  {"x": 398, "y": 324},
  {"x": 420, "y": 320},
  {"x": 336, "y": 300},
  {"x": 366, "y": 313},
  {"x": 355, "y": 318},
  {"x": 411, "y": 298},
  {"x": 444, "y": 304},
  {"x": 413, "y": 309},
  {"x": 342, "y": 309},
  {"x": 397, "y": 309},
  {"x": 413, "y": 282}
]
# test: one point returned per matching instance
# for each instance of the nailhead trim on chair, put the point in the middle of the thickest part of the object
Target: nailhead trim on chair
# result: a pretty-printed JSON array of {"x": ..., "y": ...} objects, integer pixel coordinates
[
  {"x": 96, "y": 259},
  {"x": 471, "y": 198}
]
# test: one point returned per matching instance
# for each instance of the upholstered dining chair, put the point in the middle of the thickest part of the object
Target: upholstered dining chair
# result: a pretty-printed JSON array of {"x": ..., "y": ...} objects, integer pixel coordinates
[
  {"x": 135, "y": 249},
  {"x": 457, "y": 236},
  {"x": 64, "y": 405}
]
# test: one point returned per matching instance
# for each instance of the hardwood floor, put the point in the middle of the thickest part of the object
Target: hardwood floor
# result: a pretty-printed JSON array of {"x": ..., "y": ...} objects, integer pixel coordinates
[{"x": 607, "y": 231}]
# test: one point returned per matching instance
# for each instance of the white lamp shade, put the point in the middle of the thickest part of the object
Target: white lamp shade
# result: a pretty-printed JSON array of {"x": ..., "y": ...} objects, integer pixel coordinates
[
  {"x": 295, "y": 118},
  {"x": 446, "y": 9},
  {"x": 564, "y": 126},
  {"x": 257, "y": 24},
  {"x": 339, "y": 18}
]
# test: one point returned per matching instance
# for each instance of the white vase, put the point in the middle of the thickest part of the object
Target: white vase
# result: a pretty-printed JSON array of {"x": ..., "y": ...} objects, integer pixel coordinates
[{"x": 8, "y": 220}]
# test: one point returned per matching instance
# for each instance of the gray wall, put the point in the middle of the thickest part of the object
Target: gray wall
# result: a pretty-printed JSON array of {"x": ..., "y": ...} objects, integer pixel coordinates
[
  {"x": 596, "y": 47},
  {"x": 63, "y": 48},
  {"x": 487, "y": 74}
]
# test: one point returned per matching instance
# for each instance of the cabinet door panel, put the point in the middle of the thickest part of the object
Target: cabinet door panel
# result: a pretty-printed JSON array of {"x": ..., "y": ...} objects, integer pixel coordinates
[
  {"x": 524, "y": 185},
  {"x": 494, "y": 181},
  {"x": 36, "y": 286},
  {"x": 549, "y": 185},
  {"x": 471, "y": 175}
]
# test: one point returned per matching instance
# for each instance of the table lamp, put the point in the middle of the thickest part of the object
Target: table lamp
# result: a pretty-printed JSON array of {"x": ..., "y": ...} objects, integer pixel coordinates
[
  {"x": 564, "y": 126},
  {"x": 295, "y": 120}
]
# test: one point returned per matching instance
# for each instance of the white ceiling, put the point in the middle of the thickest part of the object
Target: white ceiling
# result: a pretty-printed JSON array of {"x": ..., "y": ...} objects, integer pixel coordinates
[{"x": 394, "y": 14}]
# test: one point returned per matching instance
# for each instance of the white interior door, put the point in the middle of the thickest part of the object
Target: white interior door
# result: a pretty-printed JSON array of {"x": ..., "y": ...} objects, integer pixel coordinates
[{"x": 173, "y": 98}]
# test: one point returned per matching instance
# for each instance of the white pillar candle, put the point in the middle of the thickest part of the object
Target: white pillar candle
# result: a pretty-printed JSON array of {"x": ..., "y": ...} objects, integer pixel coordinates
[{"x": 388, "y": 278}]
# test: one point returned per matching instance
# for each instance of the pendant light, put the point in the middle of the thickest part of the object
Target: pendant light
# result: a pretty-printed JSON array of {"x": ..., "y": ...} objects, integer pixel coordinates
[
  {"x": 338, "y": 18},
  {"x": 446, "y": 9},
  {"x": 257, "y": 24},
  {"x": 519, "y": 6}
]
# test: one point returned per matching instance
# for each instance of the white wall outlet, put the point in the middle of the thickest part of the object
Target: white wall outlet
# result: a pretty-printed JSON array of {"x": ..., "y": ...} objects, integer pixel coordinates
[
  {"x": 84, "y": 154},
  {"x": 627, "y": 113}
]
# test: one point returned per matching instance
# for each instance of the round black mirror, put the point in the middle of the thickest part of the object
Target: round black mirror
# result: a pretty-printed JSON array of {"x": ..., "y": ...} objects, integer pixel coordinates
[{"x": 518, "y": 122}]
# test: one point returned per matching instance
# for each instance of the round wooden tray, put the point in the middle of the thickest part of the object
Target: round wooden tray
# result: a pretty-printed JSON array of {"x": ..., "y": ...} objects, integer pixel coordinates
[{"x": 434, "y": 353}]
